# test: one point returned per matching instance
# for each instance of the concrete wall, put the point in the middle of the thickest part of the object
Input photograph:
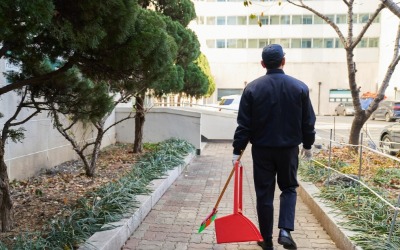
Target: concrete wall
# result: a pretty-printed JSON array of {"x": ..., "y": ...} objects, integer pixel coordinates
[
  {"x": 43, "y": 147},
  {"x": 218, "y": 125},
  {"x": 161, "y": 123}
]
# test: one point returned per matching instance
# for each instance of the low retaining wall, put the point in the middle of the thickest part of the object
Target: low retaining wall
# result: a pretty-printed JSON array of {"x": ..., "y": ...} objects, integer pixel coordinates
[
  {"x": 325, "y": 215},
  {"x": 161, "y": 123}
]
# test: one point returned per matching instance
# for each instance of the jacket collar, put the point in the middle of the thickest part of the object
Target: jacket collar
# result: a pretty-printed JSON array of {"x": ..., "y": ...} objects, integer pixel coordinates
[{"x": 274, "y": 71}]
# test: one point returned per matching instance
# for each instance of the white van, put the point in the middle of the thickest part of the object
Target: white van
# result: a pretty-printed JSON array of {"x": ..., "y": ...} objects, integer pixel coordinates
[{"x": 230, "y": 102}]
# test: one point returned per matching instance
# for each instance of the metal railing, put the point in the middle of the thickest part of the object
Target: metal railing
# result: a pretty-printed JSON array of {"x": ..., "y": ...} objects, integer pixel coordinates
[{"x": 214, "y": 107}]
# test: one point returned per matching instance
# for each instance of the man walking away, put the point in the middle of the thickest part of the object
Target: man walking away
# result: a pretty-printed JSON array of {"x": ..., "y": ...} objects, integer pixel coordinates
[{"x": 275, "y": 116}]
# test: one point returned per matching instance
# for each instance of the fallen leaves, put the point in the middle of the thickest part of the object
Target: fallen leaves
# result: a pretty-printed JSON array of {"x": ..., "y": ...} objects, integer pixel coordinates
[{"x": 39, "y": 200}]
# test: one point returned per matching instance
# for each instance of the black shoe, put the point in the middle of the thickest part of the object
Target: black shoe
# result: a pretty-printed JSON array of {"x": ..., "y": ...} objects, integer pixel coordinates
[
  {"x": 286, "y": 239},
  {"x": 266, "y": 245}
]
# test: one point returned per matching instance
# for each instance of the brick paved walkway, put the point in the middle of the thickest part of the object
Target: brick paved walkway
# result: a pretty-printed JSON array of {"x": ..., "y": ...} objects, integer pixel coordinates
[{"x": 175, "y": 219}]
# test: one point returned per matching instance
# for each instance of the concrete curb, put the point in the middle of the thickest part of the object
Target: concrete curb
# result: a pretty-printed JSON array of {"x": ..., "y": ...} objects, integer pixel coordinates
[
  {"x": 326, "y": 216},
  {"x": 116, "y": 237}
]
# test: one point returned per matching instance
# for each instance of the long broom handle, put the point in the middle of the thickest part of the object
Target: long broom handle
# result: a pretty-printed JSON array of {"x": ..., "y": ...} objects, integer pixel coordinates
[{"x": 227, "y": 182}]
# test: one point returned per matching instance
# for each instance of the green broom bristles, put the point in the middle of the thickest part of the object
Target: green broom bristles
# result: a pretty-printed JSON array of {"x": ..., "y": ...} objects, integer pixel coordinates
[{"x": 207, "y": 222}]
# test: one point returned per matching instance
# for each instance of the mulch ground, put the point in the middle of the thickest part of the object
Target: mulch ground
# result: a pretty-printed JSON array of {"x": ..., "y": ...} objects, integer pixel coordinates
[{"x": 40, "y": 199}]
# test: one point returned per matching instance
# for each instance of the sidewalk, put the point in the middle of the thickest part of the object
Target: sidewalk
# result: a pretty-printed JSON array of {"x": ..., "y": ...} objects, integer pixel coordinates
[{"x": 174, "y": 221}]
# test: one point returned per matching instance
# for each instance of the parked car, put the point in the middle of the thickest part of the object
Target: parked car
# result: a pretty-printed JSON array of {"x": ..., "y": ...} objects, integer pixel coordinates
[
  {"x": 387, "y": 110},
  {"x": 344, "y": 108},
  {"x": 390, "y": 139},
  {"x": 230, "y": 102}
]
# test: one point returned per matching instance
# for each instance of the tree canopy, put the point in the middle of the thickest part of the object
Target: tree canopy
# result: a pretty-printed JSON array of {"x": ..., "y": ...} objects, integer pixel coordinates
[{"x": 74, "y": 56}]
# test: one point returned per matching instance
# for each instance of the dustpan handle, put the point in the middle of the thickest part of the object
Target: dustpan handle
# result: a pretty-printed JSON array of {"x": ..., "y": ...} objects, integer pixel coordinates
[
  {"x": 238, "y": 188},
  {"x": 227, "y": 182}
]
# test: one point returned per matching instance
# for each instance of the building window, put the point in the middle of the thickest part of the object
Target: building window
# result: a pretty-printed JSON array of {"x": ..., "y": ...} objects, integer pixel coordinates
[
  {"x": 318, "y": 20},
  {"x": 377, "y": 19},
  {"x": 296, "y": 19},
  {"x": 331, "y": 17},
  {"x": 338, "y": 43},
  {"x": 274, "y": 41},
  {"x": 236, "y": 20},
  {"x": 231, "y": 43},
  {"x": 200, "y": 20},
  {"x": 253, "y": 20},
  {"x": 210, "y": 43},
  {"x": 355, "y": 18},
  {"x": 221, "y": 20},
  {"x": 373, "y": 43},
  {"x": 340, "y": 95},
  {"x": 340, "y": 19},
  {"x": 317, "y": 43},
  {"x": 253, "y": 43},
  {"x": 264, "y": 20},
  {"x": 241, "y": 20},
  {"x": 231, "y": 20},
  {"x": 328, "y": 43},
  {"x": 363, "y": 18},
  {"x": 285, "y": 43},
  {"x": 285, "y": 19},
  {"x": 296, "y": 43},
  {"x": 220, "y": 43},
  {"x": 241, "y": 43},
  {"x": 306, "y": 43},
  {"x": 262, "y": 43},
  {"x": 274, "y": 20},
  {"x": 307, "y": 19},
  {"x": 236, "y": 43},
  {"x": 210, "y": 20},
  {"x": 363, "y": 43}
]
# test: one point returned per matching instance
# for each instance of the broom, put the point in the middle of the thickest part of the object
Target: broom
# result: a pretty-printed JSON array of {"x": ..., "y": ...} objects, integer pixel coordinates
[{"x": 211, "y": 217}]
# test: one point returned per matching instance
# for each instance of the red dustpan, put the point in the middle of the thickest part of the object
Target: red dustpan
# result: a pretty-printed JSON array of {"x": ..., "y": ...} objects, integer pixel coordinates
[{"x": 236, "y": 227}]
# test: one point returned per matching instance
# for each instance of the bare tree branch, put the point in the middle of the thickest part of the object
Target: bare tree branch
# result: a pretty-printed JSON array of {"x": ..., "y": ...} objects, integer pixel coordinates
[
  {"x": 367, "y": 25},
  {"x": 389, "y": 73},
  {"x": 392, "y": 6},
  {"x": 9, "y": 123},
  {"x": 325, "y": 18},
  {"x": 35, "y": 80}
]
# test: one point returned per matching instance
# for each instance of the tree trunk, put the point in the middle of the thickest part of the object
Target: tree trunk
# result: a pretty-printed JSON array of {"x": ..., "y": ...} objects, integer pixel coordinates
[
  {"x": 179, "y": 99},
  {"x": 91, "y": 170},
  {"x": 5, "y": 197},
  {"x": 139, "y": 124}
]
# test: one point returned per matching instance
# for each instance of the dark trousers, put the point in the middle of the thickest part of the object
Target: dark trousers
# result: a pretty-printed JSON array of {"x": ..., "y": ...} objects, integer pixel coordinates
[{"x": 282, "y": 163}]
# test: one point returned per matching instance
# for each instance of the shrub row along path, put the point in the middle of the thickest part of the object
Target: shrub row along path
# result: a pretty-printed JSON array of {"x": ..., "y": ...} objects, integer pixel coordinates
[{"x": 175, "y": 219}]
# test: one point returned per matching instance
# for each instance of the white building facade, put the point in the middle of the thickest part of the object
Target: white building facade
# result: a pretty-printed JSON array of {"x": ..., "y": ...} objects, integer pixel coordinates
[{"x": 233, "y": 41}]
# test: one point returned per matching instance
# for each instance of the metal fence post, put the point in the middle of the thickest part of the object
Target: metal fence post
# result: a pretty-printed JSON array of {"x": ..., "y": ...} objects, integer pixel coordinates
[
  {"x": 330, "y": 154},
  {"x": 359, "y": 170},
  {"x": 394, "y": 220},
  {"x": 334, "y": 129}
]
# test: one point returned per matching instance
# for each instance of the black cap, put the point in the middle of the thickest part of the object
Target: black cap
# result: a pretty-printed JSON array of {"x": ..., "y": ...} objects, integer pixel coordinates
[{"x": 272, "y": 52}]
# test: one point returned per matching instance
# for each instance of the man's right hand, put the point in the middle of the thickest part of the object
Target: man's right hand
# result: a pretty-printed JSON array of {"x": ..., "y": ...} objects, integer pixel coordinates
[
  {"x": 235, "y": 158},
  {"x": 306, "y": 154}
]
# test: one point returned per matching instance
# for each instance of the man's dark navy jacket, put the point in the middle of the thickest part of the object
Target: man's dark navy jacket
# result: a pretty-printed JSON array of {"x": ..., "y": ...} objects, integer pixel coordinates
[{"x": 275, "y": 111}]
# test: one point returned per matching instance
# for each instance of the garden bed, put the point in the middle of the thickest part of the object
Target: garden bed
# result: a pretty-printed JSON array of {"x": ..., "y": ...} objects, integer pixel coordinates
[{"x": 366, "y": 214}]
